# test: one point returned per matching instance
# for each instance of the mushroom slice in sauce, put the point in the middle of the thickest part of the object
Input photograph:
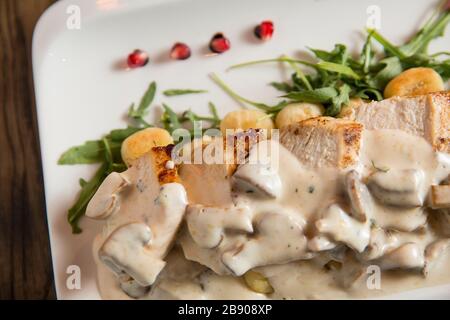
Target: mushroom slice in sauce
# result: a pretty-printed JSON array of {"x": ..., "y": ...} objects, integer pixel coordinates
[
  {"x": 260, "y": 173},
  {"x": 381, "y": 241},
  {"x": 127, "y": 251},
  {"x": 401, "y": 219},
  {"x": 133, "y": 289},
  {"x": 258, "y": 178},
  {"x": 433, "y": 253},
  {"x": 359, "y": 195},
  {"x": 279, "y": 239},
  {"x": 152, "y": 207},
  {"x": 207, "y": 224},
  {"x": 440, "y": 196},
  {"x": 398, "y": 187},
  {"x": 106, "y": 200},
  {"x": 338, "y": 225},
  {"x": 321, "y": 243},
  {"x": 408, "y": 256}
]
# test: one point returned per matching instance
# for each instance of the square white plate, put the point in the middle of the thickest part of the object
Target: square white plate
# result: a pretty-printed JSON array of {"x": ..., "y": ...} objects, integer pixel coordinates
[{"x": 82, "y": 93}]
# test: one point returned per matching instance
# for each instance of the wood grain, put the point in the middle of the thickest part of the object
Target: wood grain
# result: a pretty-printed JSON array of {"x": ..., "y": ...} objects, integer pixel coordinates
[{"x": 25, "y": 262}]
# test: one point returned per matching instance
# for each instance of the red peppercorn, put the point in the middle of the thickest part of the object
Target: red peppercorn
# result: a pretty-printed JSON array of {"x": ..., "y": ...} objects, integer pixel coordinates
[
  {"x": 219, "y": 43},
  {"x": 137, "y": 58},
  {"x": 264, "y": 30},
  {"x": 180, "y": 51}
]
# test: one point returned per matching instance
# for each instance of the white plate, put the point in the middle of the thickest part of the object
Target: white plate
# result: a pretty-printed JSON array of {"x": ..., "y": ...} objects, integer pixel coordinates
[{"x": 82, "y": 94}]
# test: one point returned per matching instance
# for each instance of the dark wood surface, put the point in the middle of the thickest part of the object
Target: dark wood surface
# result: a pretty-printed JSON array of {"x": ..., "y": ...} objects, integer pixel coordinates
[{"x": 25, "y": 261}]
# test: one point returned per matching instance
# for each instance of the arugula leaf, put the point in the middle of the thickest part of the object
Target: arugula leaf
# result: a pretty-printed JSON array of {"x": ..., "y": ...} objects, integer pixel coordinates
[
  {"x": 139, "y": 112},
  {"x": 432, "y": 29},
  {"x": 392, "y": 67},
  {"x": 88, "y": 190},
  {"x": 369, "y": 94},
  {"x": 179, "y": 92},
  {"x": 282, "y": 86},
  {"x": 367, "y": 54},
  {"x": 170, "y": 119},
  {"x": 320, "y": 95},
  {"x": 82, "y": 182},
  {"x": 388, "y": 46},
  {"x": 299, "y": 73},
  {"x": 338, "y": 68},
  {"x": 242, "y": 100},
  {"x": 118, "y": 135},
  {"x": 173, "y": 121},
  {"x": 215, "y": 116},
  {"x": 338, "y": 55},
  {"x": 338, "y": 101},
  {"x": 282, "y": 59},
  {"x": 418, "y": 44},
  {"x": 89, "y": 152}
]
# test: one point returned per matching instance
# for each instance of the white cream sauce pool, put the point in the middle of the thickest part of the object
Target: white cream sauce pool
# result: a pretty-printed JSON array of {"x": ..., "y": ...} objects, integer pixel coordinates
[{"x": 305, "y": 195}]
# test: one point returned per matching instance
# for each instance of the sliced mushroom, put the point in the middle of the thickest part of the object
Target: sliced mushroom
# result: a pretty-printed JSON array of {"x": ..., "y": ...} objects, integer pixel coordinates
[
  {"x": 440, "y": 197},
  {"x": 360, "y": 198},
  {"x": 433, "y": 253},
  {"x": 279, "y": 239},
  {"x": 152, "y": 206},
  {"x": 381, "y": 241},
  {"x": 401, "y": 219},
  {"x": 321, "y": 243},
  {"x": 207, "y": 224},
  {"x": 398, "y": 187},
  {"x": 260, "y": 172},
  {"x": 127, "y": 251},
  {"x": 132, "y": 288},
  {"x": 168, "y": 213},
  {"x": 106, "y": 200},
  {"x": 407, "y": 256},
  {"x": 338, "y": 225},
  {"x": 258, "y": 178}
]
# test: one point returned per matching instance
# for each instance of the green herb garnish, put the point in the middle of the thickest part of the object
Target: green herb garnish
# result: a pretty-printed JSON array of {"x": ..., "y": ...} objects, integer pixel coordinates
[
  {"x": 243, "y": 101},
  {"x": 107, "y": 150},
  {"x": 138, "y": 113},
  {"x": 179, "y": 92},
  {"x": 173, "y": 121},
  {"x": 337, "y": 77}
]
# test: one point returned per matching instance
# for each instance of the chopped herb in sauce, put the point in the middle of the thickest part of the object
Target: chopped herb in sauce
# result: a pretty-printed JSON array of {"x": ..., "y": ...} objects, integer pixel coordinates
[{"x": 382, "y": 169}]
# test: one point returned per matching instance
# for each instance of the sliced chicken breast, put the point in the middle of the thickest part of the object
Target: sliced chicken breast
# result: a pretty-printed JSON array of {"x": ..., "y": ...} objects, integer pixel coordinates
[
  {"x": 323, "y": 141},
  {"x": 426, "y": 116}
]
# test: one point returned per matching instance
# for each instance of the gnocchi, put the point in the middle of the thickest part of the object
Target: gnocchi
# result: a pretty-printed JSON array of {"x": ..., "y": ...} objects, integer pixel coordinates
[
  {"x": 297, "y": 112},
  {"x": 257, "y": 282},
  {"x": 142, "y": 142},
  {"x": 246, "y": 119},
  {"x": 414, "y": 81}
]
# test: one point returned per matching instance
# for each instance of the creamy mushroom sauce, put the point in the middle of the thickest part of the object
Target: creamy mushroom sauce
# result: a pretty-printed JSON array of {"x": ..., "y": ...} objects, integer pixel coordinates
[{"x": 302, "y": 220}]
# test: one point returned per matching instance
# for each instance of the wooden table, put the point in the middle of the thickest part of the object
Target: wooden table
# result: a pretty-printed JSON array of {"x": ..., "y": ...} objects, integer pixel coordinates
[{"x": 25, "y": 261}]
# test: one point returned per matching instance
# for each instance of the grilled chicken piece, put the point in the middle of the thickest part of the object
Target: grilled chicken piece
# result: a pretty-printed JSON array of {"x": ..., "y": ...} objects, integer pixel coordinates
[
  {"x": 323, "y": 142},
  {"x": 426, "y": 116},
  {"x": 207, "y": 176},
  {"x": 149, "y": 205}
]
